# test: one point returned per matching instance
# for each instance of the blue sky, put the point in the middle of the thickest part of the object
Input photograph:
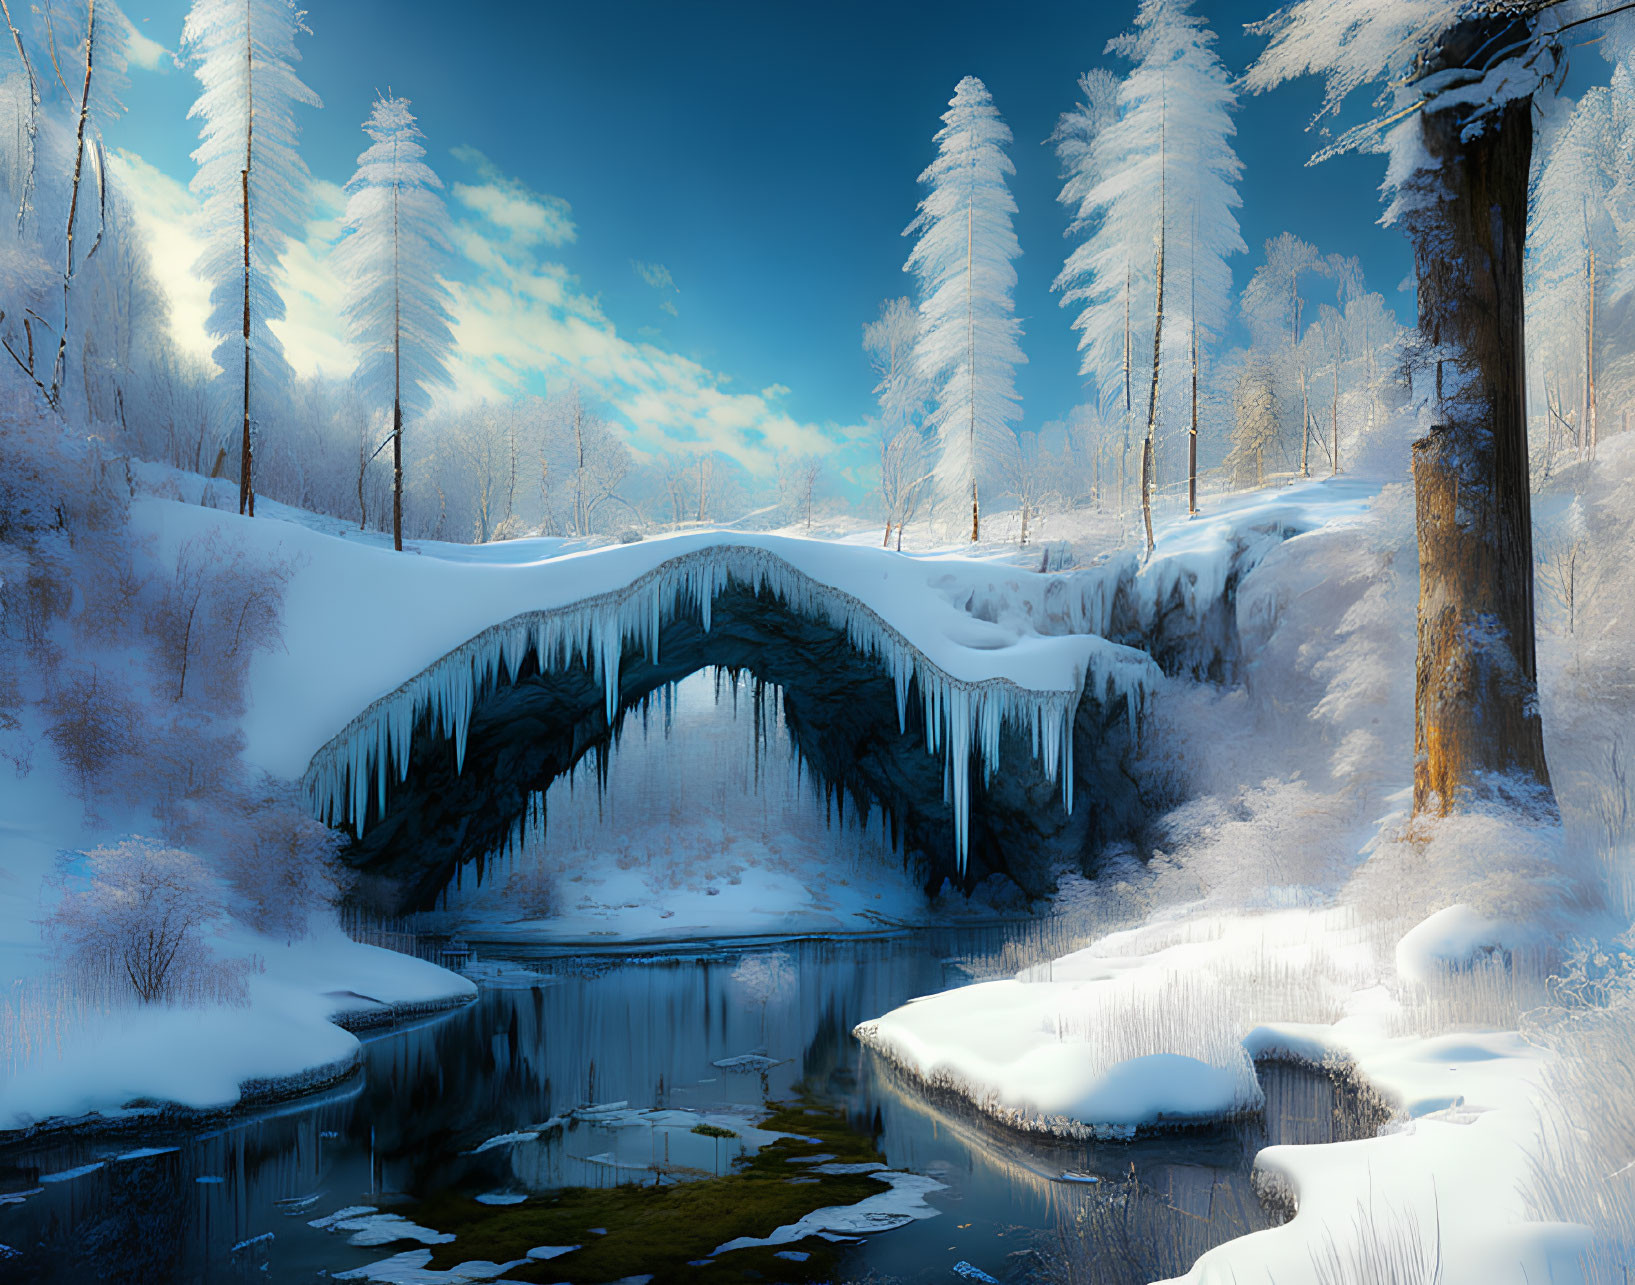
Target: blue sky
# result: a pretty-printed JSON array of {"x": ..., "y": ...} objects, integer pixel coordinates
[{"x": 724, "y": 186}]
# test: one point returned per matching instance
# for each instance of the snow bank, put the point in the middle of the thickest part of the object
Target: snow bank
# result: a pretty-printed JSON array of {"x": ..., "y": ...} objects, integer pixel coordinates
[
  {"x": 1447, "y": 1181},
  {"x": 144, "y": 1057},
  {"x": 1455, "y": 937}
]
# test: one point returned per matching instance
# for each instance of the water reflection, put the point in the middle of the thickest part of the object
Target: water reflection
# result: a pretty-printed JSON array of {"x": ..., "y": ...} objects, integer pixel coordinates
[{"x": 699, "y": 1034}]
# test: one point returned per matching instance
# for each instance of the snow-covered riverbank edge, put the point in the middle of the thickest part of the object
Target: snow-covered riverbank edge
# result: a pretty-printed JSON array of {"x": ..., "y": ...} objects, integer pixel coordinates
[
  {"x": 1049, "y": 1052},
  {"x": 161, "y": 1065}
]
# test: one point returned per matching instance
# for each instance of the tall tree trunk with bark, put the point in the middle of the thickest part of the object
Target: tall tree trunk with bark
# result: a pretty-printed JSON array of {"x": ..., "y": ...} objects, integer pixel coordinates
[
  {"x": 1477, "y": 731},
  {"x": 1124, "y": 446},
  {"x": 397, "y": 365},
  {"x": 246, "y": 483},
  {"x": 1192, "y": 437},
  {"x": 1335, "y": 425},
  {"x": 1147, "y": 460},
  {"x": 59, "y": 367},
  {"x": 1305, "y": 424},
  {"x": 970, "y": 355},
  {"x": 1589, "y": 359}
]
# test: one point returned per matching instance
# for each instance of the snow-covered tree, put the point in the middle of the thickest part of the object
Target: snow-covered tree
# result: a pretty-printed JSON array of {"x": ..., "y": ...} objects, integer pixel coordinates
[
  {"x": 74, "y": 60},
  {"x": 1256, "y": 431},
  {"x": 594, "y": 459},
  {"x": 140, "y": 919},
  {"x": 1457, "y": 122},
  {"x": 968, "y": 348},
  {"x": 1573, "y": 252},
  {"x": 1153, "y": 176},
  {"x": 890, "y": 343},
  {"x": 251, "y": 181},
  {"x": 396, "y": 303}
]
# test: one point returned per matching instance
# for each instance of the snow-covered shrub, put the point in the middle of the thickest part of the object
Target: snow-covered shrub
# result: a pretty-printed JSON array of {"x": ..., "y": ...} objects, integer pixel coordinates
[
  {"x": 112, "y": 592},
  {"x": 215, "y": 611},
  {"x": 141, "y": 917},
  {"x": 188, "y": 766},
  {"x": 280, "y": 861},
  {"x": 92, "y": 724},
  {"x": 1503, "y": 863},
  {"x": 532, "y": 892},
  {"x": 1584, "y": 1160}
]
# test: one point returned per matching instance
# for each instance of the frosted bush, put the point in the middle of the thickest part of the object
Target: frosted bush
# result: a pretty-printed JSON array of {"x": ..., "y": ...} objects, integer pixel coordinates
[
  {"x": 280, "y": 862},
  {"x": 91, "y": 723},
  {"x": 216, "y": 609},
  {"x": 1583, "y": 1167},
  {"x": 532, "y": 891},
  {"x": 187, "y": 769},
  {"x": 140, "y": 918}
]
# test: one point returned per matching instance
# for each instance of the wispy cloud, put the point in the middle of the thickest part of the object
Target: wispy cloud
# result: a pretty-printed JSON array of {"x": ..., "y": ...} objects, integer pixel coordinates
[
  {"x": 655, "y": 274},
  {"x": 527, "y": 217},
  {"x": 522, "y": 324},
  {"x": 144, "y": 52}
]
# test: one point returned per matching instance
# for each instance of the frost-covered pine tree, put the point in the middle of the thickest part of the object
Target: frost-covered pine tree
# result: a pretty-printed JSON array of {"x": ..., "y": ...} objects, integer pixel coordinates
[
  {"x": 396, "y": 240},
  {"x": 968, "y": 347},
  {"x": 1157, "y": 183},
  {"x": 251, "y": 180}
]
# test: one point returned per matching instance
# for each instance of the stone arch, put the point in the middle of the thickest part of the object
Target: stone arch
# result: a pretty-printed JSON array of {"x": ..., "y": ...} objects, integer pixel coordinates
[{"x": 439, "y": 772}]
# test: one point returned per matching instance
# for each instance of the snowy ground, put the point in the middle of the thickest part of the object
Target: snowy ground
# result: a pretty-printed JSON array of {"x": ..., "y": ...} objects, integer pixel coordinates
[
  {"x": 1302, "y": 919},
  {"x": 64, "y": 1056},
  {"x": 700, "y": 832}
]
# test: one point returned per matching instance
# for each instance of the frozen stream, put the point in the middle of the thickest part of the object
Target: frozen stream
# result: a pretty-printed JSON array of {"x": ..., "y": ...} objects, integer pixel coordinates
[{"x": 236, "y": 1202}]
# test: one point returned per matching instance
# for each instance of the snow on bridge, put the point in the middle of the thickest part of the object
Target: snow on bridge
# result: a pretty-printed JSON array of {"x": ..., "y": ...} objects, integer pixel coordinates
[{"x": 376, "y": 642}]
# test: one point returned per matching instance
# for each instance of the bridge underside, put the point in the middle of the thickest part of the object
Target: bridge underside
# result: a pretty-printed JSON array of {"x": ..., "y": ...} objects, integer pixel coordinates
[{"x": 841, "y": 708}]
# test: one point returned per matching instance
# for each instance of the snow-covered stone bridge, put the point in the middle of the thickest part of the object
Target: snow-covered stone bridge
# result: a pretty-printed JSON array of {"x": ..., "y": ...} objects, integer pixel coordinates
[{"x": 423, "y": 698}]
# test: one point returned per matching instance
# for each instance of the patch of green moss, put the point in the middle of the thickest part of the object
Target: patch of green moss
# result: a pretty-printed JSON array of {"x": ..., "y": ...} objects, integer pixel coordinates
[
  {"x": 713, "y": 1131},
  {"x": 662, "y": 1230}
]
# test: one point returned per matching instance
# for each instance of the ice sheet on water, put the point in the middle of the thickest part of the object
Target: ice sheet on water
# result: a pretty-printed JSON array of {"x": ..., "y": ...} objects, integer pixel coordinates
[
  {"x": 411, "y": 1267},
  {"x": 904, "y": 1203}
]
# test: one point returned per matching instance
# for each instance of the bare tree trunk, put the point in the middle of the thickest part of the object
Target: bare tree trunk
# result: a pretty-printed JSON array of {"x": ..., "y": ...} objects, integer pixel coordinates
[
  {"x": 579, "y": 469},
  {"x": 27, "y": 184},
  {"x": 1476, "y": 717},
  {"x": 397, "y": 475},
  {"x": 1589, "y": 360},
  {"x": 1192, "y": 437},
  {"x": 246, "y": 487},
  {"x": 1147, "y": 461},
  {"x": 970, "y": 357},
  {"x": 58, "y": 367},
  {"x": 1124, "y": 446},
  {"x": 1336, "y": 425},
  {"x": 1305, "y": 425},
  {"x": 363, "y": 469},
  {"x": 397, "y": 371}
]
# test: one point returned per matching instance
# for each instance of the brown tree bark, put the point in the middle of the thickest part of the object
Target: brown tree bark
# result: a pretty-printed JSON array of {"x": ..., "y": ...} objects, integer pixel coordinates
[
  {"x": 1147, "y": 460},
  {"x": 1477, "y": 732},
  {"x": 397, "y": 475}
]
